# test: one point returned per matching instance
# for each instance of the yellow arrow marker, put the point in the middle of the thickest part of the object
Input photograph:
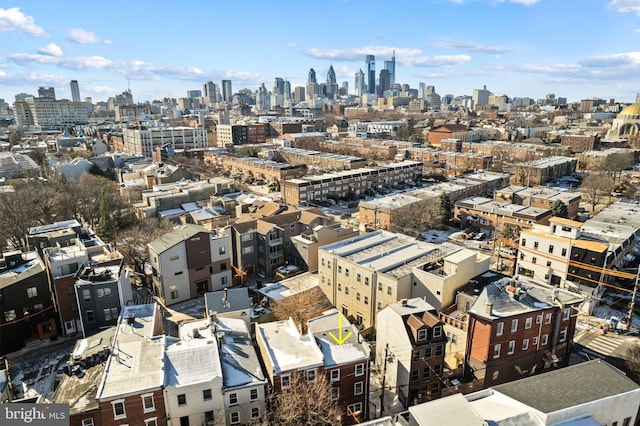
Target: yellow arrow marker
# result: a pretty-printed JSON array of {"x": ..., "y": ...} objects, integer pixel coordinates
[{"x": 340, "y": 340}]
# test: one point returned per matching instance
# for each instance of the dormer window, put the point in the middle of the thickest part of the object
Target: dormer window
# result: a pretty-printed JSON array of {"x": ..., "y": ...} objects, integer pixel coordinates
[
  {"x": 437, "y": 331},
  {"x": 422, "y": 335}
]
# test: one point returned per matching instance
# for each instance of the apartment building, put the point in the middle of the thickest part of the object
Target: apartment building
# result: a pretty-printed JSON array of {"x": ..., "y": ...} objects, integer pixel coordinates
[
  {"x": 412, "y": 335},
  {"x": 538, "y": 172},
  {"x": 362, "y": 275},
  {"x": 592, "y": 160},
  {"x": 286, "y": 353},
  {"x": 14, "y": 165},
  {"x": 145, "y": 141},
  {"x": 541, "y": 197},
  {"x": 45, "y": 112},
  {"x": 490, "y": 217},
  {"x": 310, "y": 189},
  {"x": 449, "y": 131},
  {"x": 581, "y": 143},
  {"x": 249, "y": 167},
  {"x": 321, "y": 160},
  {"x": 304, "y": 251},
  {"x": 518, "y": 328},
  {"x": 241, "y": 134},
  {"x": 131, "y": 388},
  {"x": 28, "y": 312},
  {"x": 190, "y": 261},
  {"x": 503, "y": 151},
  {"x": 451, "y": 161}
]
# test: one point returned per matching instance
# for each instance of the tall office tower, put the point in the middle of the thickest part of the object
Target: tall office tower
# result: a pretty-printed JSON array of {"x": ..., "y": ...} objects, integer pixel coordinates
[
  {"x": 331, "y": 88},
  {"x": 480, "y": 96},
  {"x": 193, "y": 94},
  {"x": 421, "y": 89},
  {"x": 429, "y": 90},
  {"x": 360, "y": 86},
  {"x": 49, "y": 93},
  {"x": 263, "y": 100},
  {"x": 344, "y": 89},
  {"x": 227, "y": 92},
  {"x": 312, "y": 76},
  {"x": 75, "y": 91},
  {"x": 371, "y": 73},
  {"x": 383, "y": 83},
  {"x": 210, "y": 90},
  {"x": 391, "y": 67},
  {"x": 287, "y": 89},
  {"x": 638, "y": 98},
  {"x": 298, "y": 95},
  {"x": 447, "y": 99},
  {"x": 278, "y": 86}
]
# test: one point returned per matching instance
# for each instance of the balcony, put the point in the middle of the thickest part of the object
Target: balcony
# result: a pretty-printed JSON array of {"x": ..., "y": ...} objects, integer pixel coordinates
[
  {"x": 275, "y": 241},
  {"x": 275, "y": 254}
]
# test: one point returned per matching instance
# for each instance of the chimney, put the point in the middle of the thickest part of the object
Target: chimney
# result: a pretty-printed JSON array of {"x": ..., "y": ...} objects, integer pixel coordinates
[{"x": 403, "y": 302}]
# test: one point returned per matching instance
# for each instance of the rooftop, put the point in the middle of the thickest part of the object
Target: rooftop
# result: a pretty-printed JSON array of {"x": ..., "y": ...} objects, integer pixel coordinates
[
  {"x": 228, "y": 300},
  {"x": 353, "y": 349},
  {"x": 178, "y": 234},
  {"x": 290, "y": 287}
]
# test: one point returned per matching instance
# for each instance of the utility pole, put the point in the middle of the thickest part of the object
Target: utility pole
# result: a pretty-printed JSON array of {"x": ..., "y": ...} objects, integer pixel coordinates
[{"x": 384, "y": 377}]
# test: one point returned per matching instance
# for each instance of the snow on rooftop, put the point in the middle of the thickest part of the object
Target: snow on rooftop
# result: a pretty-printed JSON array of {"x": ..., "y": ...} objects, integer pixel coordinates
[{"x": 287, "y": 349}]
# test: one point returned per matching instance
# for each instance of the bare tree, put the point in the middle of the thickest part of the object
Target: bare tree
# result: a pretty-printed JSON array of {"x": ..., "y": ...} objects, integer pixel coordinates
[
  {"x": 304, "y": 403},
  {"x": 595, "y": 186},
  {"x": 614, "y": 164},
  {"x": 302, "y": 307}
]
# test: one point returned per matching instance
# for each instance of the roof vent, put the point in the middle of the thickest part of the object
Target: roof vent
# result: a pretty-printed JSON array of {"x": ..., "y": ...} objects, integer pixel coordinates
[
  {"x": 131, "y": 318},
  {"x": 403, "y": 302},
  {"x": 196, "y": 333}
]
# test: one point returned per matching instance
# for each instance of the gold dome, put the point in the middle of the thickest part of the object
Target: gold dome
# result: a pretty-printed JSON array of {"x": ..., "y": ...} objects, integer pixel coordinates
[{"x": 633, "y": 109}]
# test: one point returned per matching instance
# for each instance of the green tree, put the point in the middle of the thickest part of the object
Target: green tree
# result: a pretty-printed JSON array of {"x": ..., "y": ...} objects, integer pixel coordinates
[{"x": 560, "y": 209}]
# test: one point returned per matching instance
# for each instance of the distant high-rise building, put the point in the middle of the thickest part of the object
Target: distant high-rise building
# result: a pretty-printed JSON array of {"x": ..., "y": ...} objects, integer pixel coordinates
[
  {"x": 421, "y": 89},
  {"x": 371, "y": 73},
  {"x": 434, "y": 101},
  {"x": 75, "y": 91},
  {"x": 331, "y": 88},
  {"x": 447, "y": 99},
  {"x": 49, "y": 93},
  {"x": 263, "y": 100},
  {"x": 193, "y": 94},
  {"x": 312, "y": 76},
  {"x": 211, "y": 91},
  {"x": 227, "y": 92},
  {"x": 638, "y": 98},
  {"x": 298, "y": 95},
  {"x": 278, "y": 86},
  {"x": 480, "y": 96},
  {"x": 391, "y": 67},
  {"x": 287, "y": 89},
  {"x": 429, "y": 90},
  {"x": 344, "y": 89},
  {"x": 383, "y": 82},
  {"x": 359, "y": 85}
]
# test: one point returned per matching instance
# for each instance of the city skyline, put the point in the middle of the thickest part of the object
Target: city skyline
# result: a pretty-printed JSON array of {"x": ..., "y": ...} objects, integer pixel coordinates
[{"x": 521, "y": 48}]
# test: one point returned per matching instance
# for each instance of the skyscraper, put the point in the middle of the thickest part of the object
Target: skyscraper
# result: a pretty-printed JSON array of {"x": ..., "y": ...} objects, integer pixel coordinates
[
  {"x": 49, "y": 93},
  {"x": 383, "y": 83},
  {"x": 210, "y": 90},
  {"x": 359, "y": 85},
  {"x": 480, "y": 96},
  {"x": 287, "y": 89},
  {"x": 299, "y": 94},
  {"x": 227, "y": 92},
  {"x": 391, "y": 67},
  {"x": 312, "y": 76},
  {"x": 75, "y": 91},
  {"x": 371, "y": 73},
  {"x": 193, "y": 94},
  {"x": 278, "y": 86},
  {"x": 332, "y": 85}
]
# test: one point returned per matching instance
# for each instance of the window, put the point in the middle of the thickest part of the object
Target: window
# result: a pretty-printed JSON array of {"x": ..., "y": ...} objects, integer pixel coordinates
[
  {"x": 222, "y": 250},
  {"x": 311, "y": 376},
  {"x": 514, "y": 325},
  {"x": 496, "y": 351},
  {"x": 354, "y": 408},
  {"x": 322, "y": 261},
  {"x": 234, "y": 417},
  {"x": 422, "y": 335},
  {"x": 110, "y": 313},
  {"x": 538, "y": 319},
  {"x": 208, "y": 417},
  {"x": 359, "y": 369},
  {"x": 548, "y": 263},
  {"x": 545, "y": 339},
  {"x": 10, "y": 315},
  {"x": 564, "y": 252},
  {"x": 86, "y": 295},
  {"x": 253, "y": 395},
  {"x": 87, "y": 422},
  {"x": 535, "y": 245},
  {"x": 427, "y": 353},
  {"x": 285, "y": 381},
  {"x": 247, "y": 250},
  {"x": 358, "y": 295},
  {"x": 339, "y": 269},
  {"x": 346, "y": 290},
  {"x": 535, "y": 341},
  {"x": 439, "y": 350},
  {"x": 547, "y": 319},
  {"x": 534, "y": 259},
  {"x": 182, "y": 399},
  {"x": 379, "y": 305},
  {"x": 32, "y": 292},
  {"x": 223, "y": 280},
  {"x": 437, "y": 331},
  {"x": 339, "y": 287},
  {"x": 178, "y": 273},
  {"x": 366, "y": 300},
  {"x": 379, "y": 286},
  {"x": 437, "y": 368},
  {"x": 118, "y": 409},
  {"x": 147, "y": 402},
  {"x": 151, "y": 422},
  {"x": 358, "y": 277},
  {"x": 453, "y": 338},
  {"x": 174, "y": 258},
  {"x": 335, "y": 375},
  {"x": 626, "y": 421},
  {"x": 527, "y": 322},
  {"x": 358, "y": 388},
  {"x": 525, "y": 344},
  {"x": 563, "y": 334},
  {"x": 566, "y": 313},
  {"x": 206, "y": 395},
  {"x": 346, "y": 272},
  {"x": 255, "y": 412},
  {"x": 512, "y": 347},
  {"x": 174, "y": 294},
  {"x": 233, "y": 398},
  {"x": 335, "y": 393},
  {"x": 415, "y": 375},
  {"x": 425, "y": 373},
  {"x": 524, "y": 242},
  {"x": 499, "y": 329},
  {"x": 389, "y": 291},
  {"x": 90, "y": 316}
]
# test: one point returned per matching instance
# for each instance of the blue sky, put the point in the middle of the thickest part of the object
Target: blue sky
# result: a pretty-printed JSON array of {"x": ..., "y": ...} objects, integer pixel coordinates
[{"x": 573, "y": 48}]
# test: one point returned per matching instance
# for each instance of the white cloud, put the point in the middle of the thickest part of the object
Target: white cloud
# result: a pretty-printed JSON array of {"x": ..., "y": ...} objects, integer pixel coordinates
[
  {"x": 625, "y": 6},
  {"x": 471, "y": 46},
  {"x": 14, "y": 20},
  {"x": 80, "y": 36},
  {"x": 409, "y": 57},
  {"x": 435, "y": 61},
  {"x": 36, "y": 78},
  {"x": 50, "y": 49},
  {"x": 292, "y": 45},
  {"x": 70, "y": 62}
]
